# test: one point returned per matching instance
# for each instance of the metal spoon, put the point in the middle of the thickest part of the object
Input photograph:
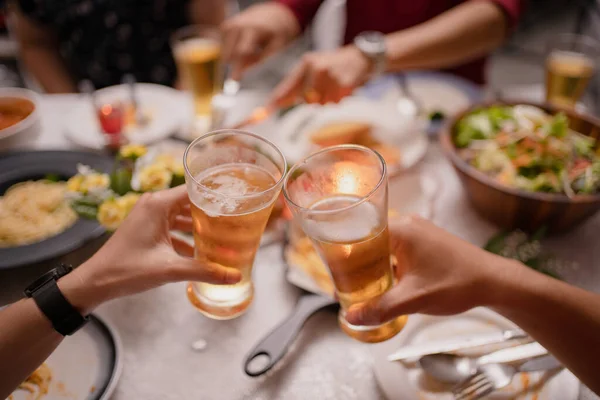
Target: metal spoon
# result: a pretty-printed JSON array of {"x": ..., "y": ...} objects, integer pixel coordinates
[
  {"x": 408, "y": 104},
  {"x": 450, "y": 368}
]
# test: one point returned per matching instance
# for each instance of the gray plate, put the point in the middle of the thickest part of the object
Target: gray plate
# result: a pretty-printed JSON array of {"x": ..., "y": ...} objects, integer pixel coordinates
[
  {"x": 86, "y": 365},
  {"x": 21, "y": 166}
]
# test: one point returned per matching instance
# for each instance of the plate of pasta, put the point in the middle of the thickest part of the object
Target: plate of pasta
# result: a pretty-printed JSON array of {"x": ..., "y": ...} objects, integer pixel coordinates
[{"x": 37, "y": 222}]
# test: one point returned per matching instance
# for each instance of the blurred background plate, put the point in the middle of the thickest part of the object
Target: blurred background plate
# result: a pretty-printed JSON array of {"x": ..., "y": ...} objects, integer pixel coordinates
[
  {"x": 21, "y": 166},
  {"x": 405, "y": 134},
  {"x": 169, "y": 111},
  {"x": 400, "y": 382},
  {"x": 85, "y": 366}
]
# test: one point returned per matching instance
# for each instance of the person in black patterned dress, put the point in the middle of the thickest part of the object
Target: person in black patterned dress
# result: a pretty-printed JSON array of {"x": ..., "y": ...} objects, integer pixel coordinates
[{"x": 65, "y": 41}]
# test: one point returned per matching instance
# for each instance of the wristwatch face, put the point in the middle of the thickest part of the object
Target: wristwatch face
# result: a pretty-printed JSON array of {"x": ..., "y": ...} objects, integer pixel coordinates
[{"x": 371, "y": 43}]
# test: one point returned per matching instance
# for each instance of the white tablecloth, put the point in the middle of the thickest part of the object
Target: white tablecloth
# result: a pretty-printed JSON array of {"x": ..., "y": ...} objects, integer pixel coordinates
[{"x": 157, "y": 328}]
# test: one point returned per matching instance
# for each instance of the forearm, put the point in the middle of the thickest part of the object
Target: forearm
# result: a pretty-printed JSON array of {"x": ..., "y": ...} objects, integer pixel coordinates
[
  {"x": 563, "y": 318},
  {"x": 463, "y": 33},
  {"x": 48, "y": 69},
  {"x": 27, "y": 337}
]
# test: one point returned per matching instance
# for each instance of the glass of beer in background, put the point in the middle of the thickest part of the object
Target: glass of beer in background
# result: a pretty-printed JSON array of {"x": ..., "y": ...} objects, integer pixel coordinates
[
  {"x": 339, "y": 196},
  {"x": 197, "y": 52},
  {"x": 233, "y": 179},
  {"x": 570, "y": 65}
]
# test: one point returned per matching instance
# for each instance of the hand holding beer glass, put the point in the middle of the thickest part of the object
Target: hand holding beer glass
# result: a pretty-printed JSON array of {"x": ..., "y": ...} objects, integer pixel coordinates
[
  {"x": 233, "y": 179},
  {"x": 570, "y": 65},
  {"x": 339, "y": 196}
]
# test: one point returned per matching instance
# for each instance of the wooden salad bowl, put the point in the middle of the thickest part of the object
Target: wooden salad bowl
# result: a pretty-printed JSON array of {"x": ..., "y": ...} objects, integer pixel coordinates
[{"x": 512, "y": 208}]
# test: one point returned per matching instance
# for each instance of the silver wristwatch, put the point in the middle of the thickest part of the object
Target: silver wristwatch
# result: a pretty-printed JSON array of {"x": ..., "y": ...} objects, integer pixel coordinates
[{"x": 372, "y": 45}]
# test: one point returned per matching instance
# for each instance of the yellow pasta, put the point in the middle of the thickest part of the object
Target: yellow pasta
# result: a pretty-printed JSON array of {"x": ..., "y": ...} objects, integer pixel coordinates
[
  {"x": 33, "y": 211},
  {"x": 38, "y": 382}
]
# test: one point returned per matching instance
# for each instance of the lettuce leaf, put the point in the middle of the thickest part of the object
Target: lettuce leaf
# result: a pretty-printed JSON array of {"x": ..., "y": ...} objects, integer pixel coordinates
[
  {"x": 584, "y": 145},
  {"x": 481, "y": 124},
  {"x": 558, "y": 126}
]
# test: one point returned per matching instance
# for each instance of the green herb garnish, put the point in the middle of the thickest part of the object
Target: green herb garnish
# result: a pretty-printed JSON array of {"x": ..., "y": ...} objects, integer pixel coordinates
[
  {"x": 524, "y": 248},
  {"x": 436, "y": 116},
  {"x": 52, "y": 177}
]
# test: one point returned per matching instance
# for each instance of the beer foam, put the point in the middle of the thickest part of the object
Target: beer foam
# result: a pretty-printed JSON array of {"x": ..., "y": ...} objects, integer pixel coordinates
[
  {"x": 225, "y": 190},
  {"x": 352, "y": 225},
  {"x": 222, "y": 203},
  {"x": 564, "y": 61},
  {"x": 198, "y": 47},
  {"x": 197, "y": 43}
]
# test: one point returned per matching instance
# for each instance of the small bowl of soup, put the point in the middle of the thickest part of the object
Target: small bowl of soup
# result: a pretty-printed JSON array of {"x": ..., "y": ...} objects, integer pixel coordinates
[{"x": 19, "y": 115}]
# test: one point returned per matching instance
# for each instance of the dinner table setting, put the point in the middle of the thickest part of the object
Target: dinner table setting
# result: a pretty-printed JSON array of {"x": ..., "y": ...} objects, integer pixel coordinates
[{"x": 288, "y": 343}]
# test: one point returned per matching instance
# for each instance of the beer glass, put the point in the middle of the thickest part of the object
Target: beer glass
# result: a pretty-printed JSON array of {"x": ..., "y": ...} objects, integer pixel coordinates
[
  {"x": 339, "y": 196},
  {"x": 197, "y": 53},
  {"x": 570, "y": 64},
  {"x": 233, "y": 179}
]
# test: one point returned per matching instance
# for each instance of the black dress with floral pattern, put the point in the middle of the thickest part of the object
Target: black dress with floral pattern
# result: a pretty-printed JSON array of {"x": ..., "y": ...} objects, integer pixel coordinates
[{"x": 102, "y": 40}]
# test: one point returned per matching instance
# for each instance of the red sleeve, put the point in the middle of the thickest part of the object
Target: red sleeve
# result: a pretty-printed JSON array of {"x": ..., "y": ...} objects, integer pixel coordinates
[
  {"x": 513, "y": 9},
  {"x": 304, "y": 10}
]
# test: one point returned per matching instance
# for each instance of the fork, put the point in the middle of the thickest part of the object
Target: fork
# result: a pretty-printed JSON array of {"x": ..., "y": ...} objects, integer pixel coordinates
[{"x": 492, "y": 377}]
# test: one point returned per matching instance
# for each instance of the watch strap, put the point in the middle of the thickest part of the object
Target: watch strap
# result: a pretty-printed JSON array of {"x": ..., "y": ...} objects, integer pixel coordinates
[{"x": 65, "y": 319}]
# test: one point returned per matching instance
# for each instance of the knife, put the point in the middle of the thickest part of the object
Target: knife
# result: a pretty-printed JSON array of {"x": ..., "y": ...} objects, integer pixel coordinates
[
  {"x": 540, "y": 364},
  {"x": 516, "y": 353},
  {"x": 460, "y": 343}
]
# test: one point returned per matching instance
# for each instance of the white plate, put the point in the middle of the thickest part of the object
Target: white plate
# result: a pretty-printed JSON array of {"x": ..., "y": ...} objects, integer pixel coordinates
[
  {"x": 86, "y": 365},
  {"x": 400, "y": 382},
  {"x": 407, "y": 134},
  {"x": 170, "y": 111},
  {"x": 438, "y": 95},
  {"x": 436, "y": 91}
]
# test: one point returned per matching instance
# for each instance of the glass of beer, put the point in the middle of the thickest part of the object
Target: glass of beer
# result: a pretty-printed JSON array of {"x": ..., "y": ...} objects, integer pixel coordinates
[
  {"x": 197, "y": 52},
  {"x": 233, "y": 179},
  {"x": 570, "y": 64},
  {"x": 339, "y": 196}
]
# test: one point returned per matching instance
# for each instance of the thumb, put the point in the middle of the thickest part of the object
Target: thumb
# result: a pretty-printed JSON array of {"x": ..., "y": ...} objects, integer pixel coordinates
[
  {"x": 189, "y": 269},
  {"x": 400, "y": 300}
]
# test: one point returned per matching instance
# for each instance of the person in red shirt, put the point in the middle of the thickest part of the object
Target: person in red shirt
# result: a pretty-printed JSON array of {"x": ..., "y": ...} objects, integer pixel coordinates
[{"x": 450, "y": 35}]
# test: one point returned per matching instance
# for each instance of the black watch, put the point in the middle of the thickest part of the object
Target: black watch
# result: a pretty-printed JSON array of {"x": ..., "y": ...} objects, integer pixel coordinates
[{"x": 65, "y": 319}]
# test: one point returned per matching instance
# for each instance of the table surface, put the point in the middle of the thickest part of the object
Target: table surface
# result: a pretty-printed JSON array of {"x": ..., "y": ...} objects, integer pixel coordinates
[{"x": 158, "y": 327}]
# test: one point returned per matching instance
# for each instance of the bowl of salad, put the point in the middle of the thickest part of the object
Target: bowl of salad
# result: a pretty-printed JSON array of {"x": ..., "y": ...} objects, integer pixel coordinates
[{"x": 525, "y": 165}]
